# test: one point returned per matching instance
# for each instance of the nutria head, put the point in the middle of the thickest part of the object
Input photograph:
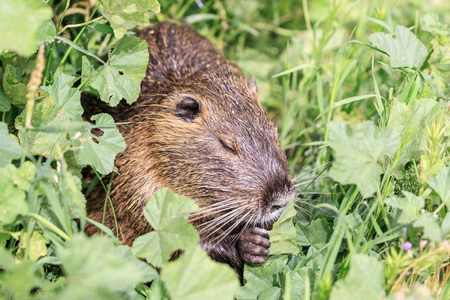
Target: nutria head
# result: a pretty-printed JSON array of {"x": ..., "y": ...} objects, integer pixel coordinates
[{"x": 210, "y": 140}]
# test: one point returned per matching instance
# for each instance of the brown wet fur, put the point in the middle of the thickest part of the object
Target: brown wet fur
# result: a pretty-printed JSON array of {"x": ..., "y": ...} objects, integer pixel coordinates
[{"x": 226, "y": 156}]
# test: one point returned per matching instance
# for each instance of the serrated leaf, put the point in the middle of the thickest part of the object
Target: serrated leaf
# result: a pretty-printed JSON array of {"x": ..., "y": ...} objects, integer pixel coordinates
[
  {"x": 283, "y": 234},
  {"x": 431, "y": 229},
  {"x": 263, "y": 278},
  {"x": 18, "y": 281},
  {"x": 411, "y": 121},
  {"x": 21, "y": 20},
  {"x": 15, "y": 90},
  {"x": 124, "y": 15},
  {"x": 37, "y": 246},
  {"x": 9, "y": 147},
  {"x": 316, "y": 234},
  {"x": 45, "y": 114},
  {"x": 356, "y": 285},
  {"x": 5, "y": 103},
  {"x": 121, "y": 77},
  {"x": 445, "y": 227},
  {"x": 404, "y": 50},
  {"x": 430, "y": 22},
  {"x": 196, "y": 276},
  {"x": 12, "y": 200},
  {"x": 167, "y": 213},
  {"x": 46, "y": 32},
  {"x": 410, "y": 206},
  {"x": 64, "y": 95},
  {"x": 52, "y": 116},
  {"x": 87, "y": 69},
  {"x": 101, "y": 155},
  {"x": 94, "y": 263},
  {"x": 441, "y": 184},
  {"x": 24, "y": 175},
  {"x": 357, "y": 152}
]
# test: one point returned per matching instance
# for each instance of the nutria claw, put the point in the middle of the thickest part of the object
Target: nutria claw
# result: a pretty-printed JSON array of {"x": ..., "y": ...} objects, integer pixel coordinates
[{"x": 253, "y": 245}]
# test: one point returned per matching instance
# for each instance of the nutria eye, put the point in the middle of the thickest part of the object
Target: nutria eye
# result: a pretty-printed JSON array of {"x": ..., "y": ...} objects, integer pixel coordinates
[
  {"x": 228, "y": 148},
  {"x": 188, "y": 109}
]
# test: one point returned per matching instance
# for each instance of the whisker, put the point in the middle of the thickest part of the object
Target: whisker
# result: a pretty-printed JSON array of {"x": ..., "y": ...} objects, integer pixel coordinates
[
  {"x": 222, "y": 217},
  {"x": 231, "y": 228},
  {"x": 217, "y": 229}
]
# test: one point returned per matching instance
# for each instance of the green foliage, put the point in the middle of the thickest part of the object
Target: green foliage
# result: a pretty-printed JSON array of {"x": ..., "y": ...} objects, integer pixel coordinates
[
  {"x": 14, "y": 90},
  {"x": 410, "y": 206},
  {"x": 362, "y": 267},
  {"x": 375, "y": 224},
  {"x": 99, "y": 151},
  {"x": 167, "y": 213},
  {"x": 12, "y": 199},
  {"x": 441, "y": 184},
  {"x": 121, "y": 77},
  {"x": 404, "y": 50},
  {"x": 9, "y": 147},
  {"x": 21, "y": 23},
  {"x": 357, "y": 152},
  {"x": 282, "y": 236},
  {"x": 128, "y": 14},
  {"x": 195, "y": 276}
]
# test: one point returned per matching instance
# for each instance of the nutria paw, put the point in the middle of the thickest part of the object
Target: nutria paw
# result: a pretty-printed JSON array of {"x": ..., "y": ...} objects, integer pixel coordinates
[{"x": 253, "y": 245}]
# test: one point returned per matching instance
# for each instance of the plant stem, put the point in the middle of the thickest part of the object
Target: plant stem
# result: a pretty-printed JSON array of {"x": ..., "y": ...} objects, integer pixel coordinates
[
  {"x": 76, "y": 39},
  {"x": 50, "y": 226},
  {"x": 80, "y": 24}
]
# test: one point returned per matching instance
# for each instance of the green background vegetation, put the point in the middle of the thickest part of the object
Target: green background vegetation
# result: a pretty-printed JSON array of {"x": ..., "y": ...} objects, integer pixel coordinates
[{"x": 359, "y": 91}]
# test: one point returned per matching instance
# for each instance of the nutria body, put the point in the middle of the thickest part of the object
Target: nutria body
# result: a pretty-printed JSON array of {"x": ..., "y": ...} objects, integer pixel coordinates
[{"x": 198, "y": 129}]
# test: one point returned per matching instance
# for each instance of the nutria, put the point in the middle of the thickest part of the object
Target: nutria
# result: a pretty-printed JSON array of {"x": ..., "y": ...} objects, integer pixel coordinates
[{"x": 198, "y": 128}]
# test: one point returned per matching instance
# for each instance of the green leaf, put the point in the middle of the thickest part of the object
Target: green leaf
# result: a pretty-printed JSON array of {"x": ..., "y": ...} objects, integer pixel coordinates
[
  {"x": 94, "y": 263},
  {"x": 445, "y": 227},
  {"x": 15, "y": 90},
  {"x": 411, "y": 121},
  {"x": 121, "y": 77},
  {"x": 100, "y": 154},
  {"x": 441, "y": 184},
  {"x": 12, "y": 200},
  {"x": 18, "y": 280},
  {"x": 405, "y": 50},
  {"x": 430, "y": 22},
  {"x": 167, "y": 213},
  {"x": 87, "y": 69},
  {"x": 261, "y": 280},
  {"x": 37, "y": 246},
  {"x": 410, "y": 205},
  {"x": 64, "y": 96},
  {"x": 52, "y": 116},
  {"x": 364, "y": 281},
  {"x": 24, "y": 175},
  {"x": 283, "y": 234},
  {"x": 124, "y": 15},
  {"x": 5, "y": 103},
  {"x": 21, "y": 19},
  {"x": 103, "y": 28},
  {"x": 46, "y": 32},
  {"x": 431, "y": 229},
  {"x": 316, "y": 234},
  {"x": 196, "y": 276},
  {"x": 9, "y": 147},
  {"x": 357, "y": 152}
]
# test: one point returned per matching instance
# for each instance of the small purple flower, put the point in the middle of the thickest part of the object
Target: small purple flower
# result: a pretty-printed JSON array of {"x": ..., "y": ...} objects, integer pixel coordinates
[
  {"x": 407, "y": 246},
  {"x": 404, "y": 230},
  {"x": 199, "y": 3}
]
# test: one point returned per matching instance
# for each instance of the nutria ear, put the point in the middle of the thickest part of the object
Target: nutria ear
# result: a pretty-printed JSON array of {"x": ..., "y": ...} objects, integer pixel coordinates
[
  {"x": 188, "y": 109},
  {"x": 253, "y": 84}
]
